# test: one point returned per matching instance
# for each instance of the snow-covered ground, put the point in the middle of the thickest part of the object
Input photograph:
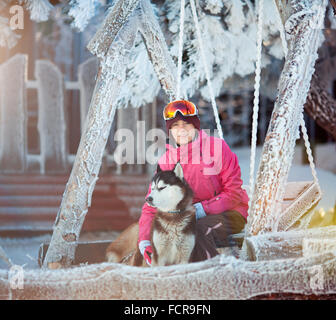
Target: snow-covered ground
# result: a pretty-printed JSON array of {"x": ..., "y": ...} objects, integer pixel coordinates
[{"x": 25, "y": 251}]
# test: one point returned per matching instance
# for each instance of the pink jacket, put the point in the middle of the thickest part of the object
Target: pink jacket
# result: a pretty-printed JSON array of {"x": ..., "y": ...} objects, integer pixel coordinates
[{"x": 212, "y": 171}]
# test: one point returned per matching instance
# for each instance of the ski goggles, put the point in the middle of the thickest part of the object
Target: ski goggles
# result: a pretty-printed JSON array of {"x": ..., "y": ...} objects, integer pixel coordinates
[{"x": 186, "y": 108}]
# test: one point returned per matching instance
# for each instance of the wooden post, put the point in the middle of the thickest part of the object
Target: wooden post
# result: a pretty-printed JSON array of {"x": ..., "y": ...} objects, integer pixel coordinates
[
  {"x": 302, "y": 28},
  {"x": 77, "y": 196},
  {"x": 51, "y": 117},
  {"x": 13, "y": 115}
]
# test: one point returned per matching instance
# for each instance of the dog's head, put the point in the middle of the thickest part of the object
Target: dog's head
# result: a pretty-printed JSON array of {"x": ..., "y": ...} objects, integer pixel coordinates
[{"x": 169, "y": 190}]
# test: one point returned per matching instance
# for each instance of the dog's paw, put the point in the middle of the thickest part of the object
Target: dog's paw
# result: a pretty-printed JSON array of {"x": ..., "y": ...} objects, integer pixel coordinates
[{"x": 112, "y": 257}]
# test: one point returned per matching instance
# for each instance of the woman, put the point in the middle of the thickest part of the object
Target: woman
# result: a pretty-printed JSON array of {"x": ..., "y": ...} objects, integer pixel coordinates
[{"x": 212, "y": 171}]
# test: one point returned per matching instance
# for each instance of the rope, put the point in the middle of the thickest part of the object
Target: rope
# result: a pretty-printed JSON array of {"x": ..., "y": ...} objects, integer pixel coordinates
[
  {"x": 256, "y": 100},
  {"x": 308, "y": 148},
  {"x": 179, "y": 60},
  {"x": 207, "y": 74}
]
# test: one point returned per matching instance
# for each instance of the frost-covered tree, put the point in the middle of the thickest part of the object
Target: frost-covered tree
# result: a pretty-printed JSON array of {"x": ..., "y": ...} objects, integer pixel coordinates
[{"x": 228, "y": 29}]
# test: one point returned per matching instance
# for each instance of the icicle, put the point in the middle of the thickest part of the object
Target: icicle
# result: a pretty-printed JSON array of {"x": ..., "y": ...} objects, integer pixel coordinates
[{"x": 39, "y": 9}]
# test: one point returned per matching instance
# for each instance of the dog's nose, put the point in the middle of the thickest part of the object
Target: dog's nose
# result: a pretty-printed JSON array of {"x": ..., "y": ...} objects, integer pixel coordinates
[{"x": 149, "y": 199}]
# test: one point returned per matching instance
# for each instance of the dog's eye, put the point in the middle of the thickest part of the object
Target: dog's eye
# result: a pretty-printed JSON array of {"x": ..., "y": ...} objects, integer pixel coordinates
[{"x": 162, "y": 188}]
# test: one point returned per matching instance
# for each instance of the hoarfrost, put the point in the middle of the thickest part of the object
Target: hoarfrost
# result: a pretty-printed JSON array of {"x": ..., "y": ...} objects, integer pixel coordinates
[
  {"x": 51, "y": 117},
  {"x": 82, "y": 11},
  {"x": 279, "y": 144},
  {"x": 13, "y": 114},
  {"x": 84, "y": 174},
  {"x": 230, "y": 49},
  {"x": 218, "y": 278},
  {"x": 214, "y": 6},
  {"x": 39, "y": 9}
]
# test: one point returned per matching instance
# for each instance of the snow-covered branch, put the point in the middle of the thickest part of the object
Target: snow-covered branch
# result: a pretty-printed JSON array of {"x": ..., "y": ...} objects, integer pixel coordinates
[
  {"x": 114, "y": 21},
  {"x": 39, "y": 9},
  {"x": 82, "y": 11},
  {"x": 157, "y": 49}
]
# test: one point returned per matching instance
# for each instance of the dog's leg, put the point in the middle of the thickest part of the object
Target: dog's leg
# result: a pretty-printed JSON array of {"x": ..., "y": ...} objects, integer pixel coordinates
[{"x": 124, "y": 245}]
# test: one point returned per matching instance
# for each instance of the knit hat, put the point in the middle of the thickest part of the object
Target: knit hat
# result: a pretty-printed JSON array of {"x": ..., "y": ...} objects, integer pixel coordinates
[{"x": 194, "y": 120}]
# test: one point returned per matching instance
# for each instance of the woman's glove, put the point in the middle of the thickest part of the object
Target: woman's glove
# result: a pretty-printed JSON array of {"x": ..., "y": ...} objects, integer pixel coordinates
[
  {"x": 146, "y": 250},
  {"x": 200, "y": 213}
]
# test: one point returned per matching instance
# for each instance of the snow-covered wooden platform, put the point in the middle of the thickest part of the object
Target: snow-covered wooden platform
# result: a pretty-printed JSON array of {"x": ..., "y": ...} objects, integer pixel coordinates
[{"x": 218, "y": 278}]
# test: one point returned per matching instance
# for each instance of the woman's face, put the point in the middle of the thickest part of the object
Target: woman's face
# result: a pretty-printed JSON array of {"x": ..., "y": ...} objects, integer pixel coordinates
[{"x": 183, "y": 132}]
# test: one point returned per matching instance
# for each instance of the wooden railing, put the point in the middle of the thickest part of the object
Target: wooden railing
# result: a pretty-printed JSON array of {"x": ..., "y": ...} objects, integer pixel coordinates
[{"x": 52, "y": 128}]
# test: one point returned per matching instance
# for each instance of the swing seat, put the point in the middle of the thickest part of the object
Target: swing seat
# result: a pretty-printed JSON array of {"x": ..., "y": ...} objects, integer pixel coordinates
[{"x": 300, "y": 198}]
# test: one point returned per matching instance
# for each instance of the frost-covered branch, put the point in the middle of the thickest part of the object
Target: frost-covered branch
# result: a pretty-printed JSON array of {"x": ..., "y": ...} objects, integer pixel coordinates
[
  {"x": 291, "y": 244},
  {"x": 321, "y": 106},
  {"x": 82, "y": 11},
  {"x": 116, "y": 18},
  {"x": 333, "y": 3},
  {"x": 217, "y": 278},
  {"x": 39, "y": 9},
  {"x": 157, "y": 49}
]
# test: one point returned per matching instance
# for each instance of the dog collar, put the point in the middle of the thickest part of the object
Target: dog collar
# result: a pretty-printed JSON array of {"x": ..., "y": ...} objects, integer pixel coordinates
[{"x": 174, "y": 211}]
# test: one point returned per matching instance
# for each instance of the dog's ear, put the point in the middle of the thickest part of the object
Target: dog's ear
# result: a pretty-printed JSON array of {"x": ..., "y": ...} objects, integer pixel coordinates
[
  {"x": 158, "y": 169},
  {"x": 178, "y": 171}
]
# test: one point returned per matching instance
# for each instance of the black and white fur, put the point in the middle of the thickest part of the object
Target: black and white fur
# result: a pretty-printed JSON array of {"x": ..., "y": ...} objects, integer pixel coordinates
[{"x": 173, "y": 227}]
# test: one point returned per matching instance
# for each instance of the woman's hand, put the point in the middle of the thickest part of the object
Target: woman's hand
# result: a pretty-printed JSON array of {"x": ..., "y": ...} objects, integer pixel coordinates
[{"x": 146, "y": 250}]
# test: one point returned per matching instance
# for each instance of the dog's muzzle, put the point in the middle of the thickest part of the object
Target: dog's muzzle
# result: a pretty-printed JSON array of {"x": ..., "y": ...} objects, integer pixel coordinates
[{"x": 149, "y": 201}]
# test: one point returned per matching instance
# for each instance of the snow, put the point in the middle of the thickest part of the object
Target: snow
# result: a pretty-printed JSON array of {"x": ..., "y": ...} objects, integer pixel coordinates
[
  {"x": 218, "y": 278},
  {"x": 82, "y": 11},
  {"x": 230, "y": 49},
  {"x": 39, "y": 9}
]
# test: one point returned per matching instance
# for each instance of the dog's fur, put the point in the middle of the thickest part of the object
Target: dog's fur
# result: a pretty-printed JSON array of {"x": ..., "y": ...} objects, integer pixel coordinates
[{"x": 173, "y": 227}]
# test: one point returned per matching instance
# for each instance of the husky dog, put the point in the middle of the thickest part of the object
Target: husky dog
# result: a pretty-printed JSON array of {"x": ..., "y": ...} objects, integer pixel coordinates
[{"x": 173, "y": 227}]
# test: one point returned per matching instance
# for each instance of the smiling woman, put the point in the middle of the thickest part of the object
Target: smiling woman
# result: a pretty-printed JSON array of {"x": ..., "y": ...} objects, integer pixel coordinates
[{"x": 221, "y": 206}]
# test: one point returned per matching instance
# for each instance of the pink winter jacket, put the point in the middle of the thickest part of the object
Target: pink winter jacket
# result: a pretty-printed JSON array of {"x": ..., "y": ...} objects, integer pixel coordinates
[{"x": 212, "y": 171}]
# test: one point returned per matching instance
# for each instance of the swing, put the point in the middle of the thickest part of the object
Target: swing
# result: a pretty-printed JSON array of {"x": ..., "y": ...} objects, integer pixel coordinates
[
  {"x": 217, "y": 278},
  {"x": 300, "y": 196}
]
